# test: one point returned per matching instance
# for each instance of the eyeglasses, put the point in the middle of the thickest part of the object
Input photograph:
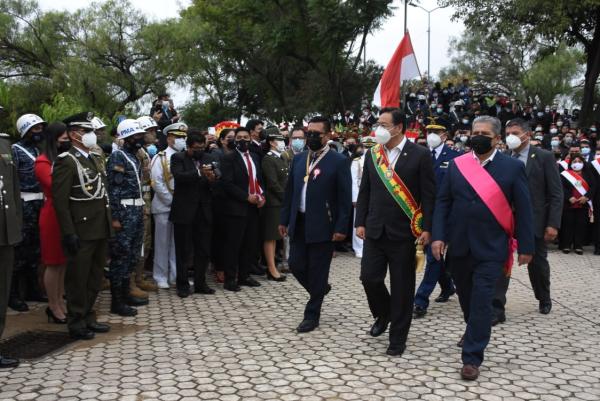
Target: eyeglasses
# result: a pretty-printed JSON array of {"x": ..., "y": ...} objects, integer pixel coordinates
[{"x": 314, "y": 134}]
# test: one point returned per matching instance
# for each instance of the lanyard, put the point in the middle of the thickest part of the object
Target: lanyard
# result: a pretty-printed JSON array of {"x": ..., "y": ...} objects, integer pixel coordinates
[{"x": 310, "y": 166}]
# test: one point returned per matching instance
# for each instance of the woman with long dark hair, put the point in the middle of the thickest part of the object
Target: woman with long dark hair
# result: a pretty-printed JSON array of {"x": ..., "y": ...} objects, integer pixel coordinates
[{"x": 53, "y": 257}]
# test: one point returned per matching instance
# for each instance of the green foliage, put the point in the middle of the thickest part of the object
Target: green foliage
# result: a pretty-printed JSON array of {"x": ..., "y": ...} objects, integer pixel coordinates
[
  {"x": 574, "y": 23},
  {"x": 60, "y": 108}
]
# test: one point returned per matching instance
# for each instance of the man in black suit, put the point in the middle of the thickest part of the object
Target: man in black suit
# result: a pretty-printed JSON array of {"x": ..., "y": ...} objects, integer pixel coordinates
[
  {"x": 194, "y": 172},
  {"x": 255, "y": 128},
  {"x": 240, "y": 181},
  {"x": 546, "y": 194},
  {"x": 388, "y": 230}
]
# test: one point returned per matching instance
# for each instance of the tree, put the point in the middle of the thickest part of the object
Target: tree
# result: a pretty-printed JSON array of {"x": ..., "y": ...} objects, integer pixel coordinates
[
  {"x": 574, "y": 22},
  {"x": 283, "y": 58}
]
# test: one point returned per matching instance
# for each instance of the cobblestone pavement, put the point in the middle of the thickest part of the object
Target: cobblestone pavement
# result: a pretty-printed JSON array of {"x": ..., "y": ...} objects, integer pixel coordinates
[{"x": 242, "y": 346}]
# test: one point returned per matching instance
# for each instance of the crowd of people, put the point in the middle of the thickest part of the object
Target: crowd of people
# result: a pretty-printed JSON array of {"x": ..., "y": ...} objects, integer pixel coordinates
[{"x": 161, "y": 202}]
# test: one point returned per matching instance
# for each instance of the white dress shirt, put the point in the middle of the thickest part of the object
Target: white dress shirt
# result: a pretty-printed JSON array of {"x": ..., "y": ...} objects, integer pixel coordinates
[
  {"x": 486, "y": 161},
  {"x": 302, "y": 206},
  {"x": 394, "y": 153},
  {"x": 438, "y": 150},
  {"x": 246, "y": 165}
]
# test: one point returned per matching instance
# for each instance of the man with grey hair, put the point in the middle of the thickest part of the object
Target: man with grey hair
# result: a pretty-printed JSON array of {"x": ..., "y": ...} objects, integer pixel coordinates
[
  {"x": 473, "y": 218},
  {"x": 546, "y": 193}
]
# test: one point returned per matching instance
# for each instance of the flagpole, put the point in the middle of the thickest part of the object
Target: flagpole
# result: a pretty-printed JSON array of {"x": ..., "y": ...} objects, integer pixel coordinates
[{"x": 405, "y": 13}]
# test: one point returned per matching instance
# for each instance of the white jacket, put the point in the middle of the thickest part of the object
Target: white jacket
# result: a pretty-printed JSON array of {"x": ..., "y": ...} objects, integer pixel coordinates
[
  {"x": 163, "y": 191},
  {"x": 356, "y": 169}
]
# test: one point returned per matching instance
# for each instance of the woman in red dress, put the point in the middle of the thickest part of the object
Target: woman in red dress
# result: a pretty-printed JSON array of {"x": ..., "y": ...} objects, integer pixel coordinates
[{"x": 53, "y": 257}]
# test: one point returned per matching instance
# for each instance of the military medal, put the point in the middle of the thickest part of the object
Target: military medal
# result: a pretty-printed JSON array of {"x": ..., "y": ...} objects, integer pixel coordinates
[
  {"x": 306, "y": 178},
  {"x": 316, "y": 173},
  {"x": 1, "y": 184},
  {"x": 389, "y": 174}
]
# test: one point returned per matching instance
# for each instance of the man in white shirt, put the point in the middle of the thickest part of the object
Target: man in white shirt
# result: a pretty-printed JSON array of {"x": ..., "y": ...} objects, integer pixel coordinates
[{"x": 163, "y": 186}]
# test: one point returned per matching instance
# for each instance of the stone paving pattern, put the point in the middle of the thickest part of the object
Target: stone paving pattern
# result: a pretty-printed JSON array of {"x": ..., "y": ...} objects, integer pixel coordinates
[{"x": 243, "y": 346}]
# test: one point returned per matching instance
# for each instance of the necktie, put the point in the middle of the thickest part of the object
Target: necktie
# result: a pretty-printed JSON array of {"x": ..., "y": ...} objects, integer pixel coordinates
[
  {"x": 251, "y": 182},
  {"x": 433, "y": 154}
]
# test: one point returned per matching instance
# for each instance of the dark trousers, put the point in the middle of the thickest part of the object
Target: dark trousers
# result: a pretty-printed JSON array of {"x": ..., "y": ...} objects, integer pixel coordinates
[
  {"x": 475, "y": 282},
  {"x": 435, "y": 272},
  {"x": 596, "y": 232},
  {"x": 240, "y": 249},
  {"x": 7, "y": 258},
  {"x": 573, "y": 228},
  {"x": 25, "y": 283},
  {"x": 310, "y": 264},
  {"x": 192, "y": 240},
  {"x": 397, "y": 304},
  {"x": 539, "y": 276},
  {"x": 83, "y": 281}
]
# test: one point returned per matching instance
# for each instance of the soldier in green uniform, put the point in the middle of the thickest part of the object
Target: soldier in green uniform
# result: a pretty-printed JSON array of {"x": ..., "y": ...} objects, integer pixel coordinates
[
  {"x": 10, "y": 230},
  {"x": 275, "y": 168},
  {"x": 83, "y": 212}
]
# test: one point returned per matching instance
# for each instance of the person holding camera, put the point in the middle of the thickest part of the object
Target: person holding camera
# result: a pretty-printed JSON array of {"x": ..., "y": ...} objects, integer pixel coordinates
[{"x": 195, "y": 172}]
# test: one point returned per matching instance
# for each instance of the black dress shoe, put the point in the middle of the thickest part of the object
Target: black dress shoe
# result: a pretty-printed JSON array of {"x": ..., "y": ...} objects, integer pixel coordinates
[
  {"x": 380, "y": 326},
  {"x": 232, "y": 286},
  {"x": 597, "y": 251},
  {"x": 579, "y": 251},
  {"x": 271, "y": 277},
  {"x": 461, "y": 342},
  {"x": 396, "y": 350},
  {"x": 545, "y": 307},
  {"x": 7, "y": 363},
  {"x": 183, "y": 293},
  {"x": 257, "y": 270},
  {"x": 444, "y": 297},
  {"x": 498, "y": 319},
  {"x": 18, "y": 305},
  {"x": 82, "y": 334},
  {"x": 419, "y": 311},
  {"x": 249, "y": 282},
  {"x": 307, "y": 325},
  {"x": 135, "y": 301},
  {"x": 97, "y": 327},
  {"x": 203, "y": 289}
]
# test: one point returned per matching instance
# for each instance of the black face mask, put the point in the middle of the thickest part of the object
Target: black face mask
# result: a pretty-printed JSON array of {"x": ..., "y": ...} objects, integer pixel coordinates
[
  {"x": 313, "y": 141},
  {"x": 63, "y": 147},
  {"x": 197, "y": 154},
  {"x": 242, "y": 145},
  {"x": 481, "y": 144},
  {"x": 231, "y": 144},
  {"x": 136, "y": 144},
  {"x": 352, "y": 148},
  {"x": 35, "y": 138}
]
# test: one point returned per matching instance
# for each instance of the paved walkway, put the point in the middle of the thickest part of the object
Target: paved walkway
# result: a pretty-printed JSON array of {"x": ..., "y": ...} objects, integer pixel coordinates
[{"x": 242, "y": 346}]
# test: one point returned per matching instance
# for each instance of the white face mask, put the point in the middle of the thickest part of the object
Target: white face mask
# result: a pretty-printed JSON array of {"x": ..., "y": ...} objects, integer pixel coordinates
[
  {"x": 585, "y": 151},
  {"x": 280, "y": 146},
  {"x": 465, "y": 122},
  {"x": 513, "y": 141},
  {"x": 179, "y": 144},
  {"x": 553, "y": 130},
  {"x": 577, "y": 166},
  {"x": 382, "y": 135},
  {"x": 434, "y": 140},
  {"x": 538, "y": 129},
  {"x": 89, "y": 140},
  {"x": 554, "y": 143},
  {"x": 464, "y": 138},
  {"x": 559, "y": 123}
]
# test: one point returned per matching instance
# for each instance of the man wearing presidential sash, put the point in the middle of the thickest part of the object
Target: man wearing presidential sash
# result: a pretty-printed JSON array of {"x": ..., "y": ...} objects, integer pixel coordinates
[
  {"x": 474, "y": 218},
  {"x": 393, "y": 213}
]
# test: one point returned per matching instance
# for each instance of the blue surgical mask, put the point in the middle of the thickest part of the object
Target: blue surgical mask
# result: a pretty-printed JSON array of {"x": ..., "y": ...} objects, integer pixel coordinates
[
  {"x": 152, "y": 150},
  {"x": 585, "y": 151},
  {"x": 298, "y": 145}
]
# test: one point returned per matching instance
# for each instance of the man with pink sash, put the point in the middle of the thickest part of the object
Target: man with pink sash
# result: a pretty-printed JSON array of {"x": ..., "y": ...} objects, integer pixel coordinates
[{"x": 483, "y": 210}]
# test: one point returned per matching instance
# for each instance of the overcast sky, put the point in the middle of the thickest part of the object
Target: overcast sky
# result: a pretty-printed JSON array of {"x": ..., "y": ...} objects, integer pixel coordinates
[{"x": 380, "y": 45}]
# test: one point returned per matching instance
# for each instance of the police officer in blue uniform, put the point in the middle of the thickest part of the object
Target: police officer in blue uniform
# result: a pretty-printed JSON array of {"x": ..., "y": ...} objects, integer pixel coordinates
[
  {"x": 27, "y": 253},
  {"x": 124, "y": 173},
  {"x": 436, "y": 270}
]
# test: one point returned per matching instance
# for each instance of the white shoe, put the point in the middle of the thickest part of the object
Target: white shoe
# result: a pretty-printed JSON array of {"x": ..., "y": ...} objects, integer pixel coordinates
[{"x": 163, "y": 285}]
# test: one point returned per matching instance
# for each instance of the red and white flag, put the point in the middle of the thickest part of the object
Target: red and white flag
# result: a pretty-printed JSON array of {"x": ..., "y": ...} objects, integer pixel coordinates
[{"x": 403, "y": 66}]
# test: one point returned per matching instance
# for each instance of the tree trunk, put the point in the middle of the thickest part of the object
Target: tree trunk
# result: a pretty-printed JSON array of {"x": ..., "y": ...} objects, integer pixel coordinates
[{"x": 592, "y": 72}]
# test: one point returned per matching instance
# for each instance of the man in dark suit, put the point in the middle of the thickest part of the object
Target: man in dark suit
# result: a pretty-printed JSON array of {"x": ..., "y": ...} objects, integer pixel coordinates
[
  {"x": 436, "y": 271},
  {"x": 388, "y": 231},
  {"x": 545, "y": 190},
  {"x": 241, "y": 183},
  {"x": 256, "y": 128},
  {"x": 194, "y": 172},
  {"x": 315, "y": 214},
  {"x": 478, "y": 245}
]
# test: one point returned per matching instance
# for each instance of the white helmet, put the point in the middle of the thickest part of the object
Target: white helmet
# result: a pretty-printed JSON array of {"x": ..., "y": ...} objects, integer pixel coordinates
[
  {"x": 26, "y": 121},
  {"x": 175, "y": 128},
  {"x": 147, "y": 122},
  {"x": 459, "y": 103},
  {"x": 97, "y": 123},
  {"x": 129, "y": 127}
]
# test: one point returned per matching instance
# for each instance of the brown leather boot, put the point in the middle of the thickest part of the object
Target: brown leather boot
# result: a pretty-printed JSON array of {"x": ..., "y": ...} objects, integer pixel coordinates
[
  {"x": 135, "y": 291},
  {"x": 142, "y": 283}
]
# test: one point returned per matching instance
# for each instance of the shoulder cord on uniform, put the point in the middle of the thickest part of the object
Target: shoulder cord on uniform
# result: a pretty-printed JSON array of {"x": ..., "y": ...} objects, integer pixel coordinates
[
  {"x": 166, "y": 172},
  {"x": 137, "y": 174},
  {"x": 85, "y": 180}
]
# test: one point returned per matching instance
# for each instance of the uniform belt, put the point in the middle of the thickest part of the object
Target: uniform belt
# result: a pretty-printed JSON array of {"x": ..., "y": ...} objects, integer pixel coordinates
[
  {"x": 146, "y": 188},
  {"x": 31, "y": 196},
  {"x": 132, "y": 202}
]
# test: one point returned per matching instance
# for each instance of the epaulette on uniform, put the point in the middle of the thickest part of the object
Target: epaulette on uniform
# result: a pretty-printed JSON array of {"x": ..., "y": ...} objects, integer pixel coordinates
[
  {"x": 3, "y": 135},
  {"x": 63, "y": 155}
]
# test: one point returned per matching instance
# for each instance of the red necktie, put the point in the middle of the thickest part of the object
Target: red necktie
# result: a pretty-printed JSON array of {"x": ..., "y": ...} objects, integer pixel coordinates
[{"x": 251, "y": 182}]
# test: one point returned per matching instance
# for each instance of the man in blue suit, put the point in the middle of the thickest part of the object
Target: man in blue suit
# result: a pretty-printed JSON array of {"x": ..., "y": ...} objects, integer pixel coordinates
[
  {"x": 477, "y": 242},
  {"x": 436, "y": 269},
  {"x": 315, "y": 214}
]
